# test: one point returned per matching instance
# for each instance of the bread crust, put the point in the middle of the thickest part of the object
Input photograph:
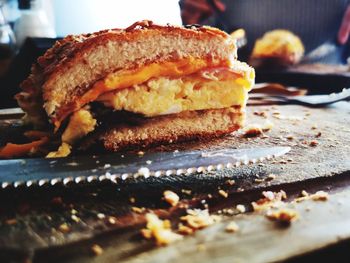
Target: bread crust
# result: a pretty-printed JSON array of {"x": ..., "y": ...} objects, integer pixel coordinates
[{"x": 185, "y": 126}]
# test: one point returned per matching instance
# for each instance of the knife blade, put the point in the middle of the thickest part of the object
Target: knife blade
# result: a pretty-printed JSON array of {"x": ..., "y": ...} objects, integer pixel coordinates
[{"x": 118, "y": 166}]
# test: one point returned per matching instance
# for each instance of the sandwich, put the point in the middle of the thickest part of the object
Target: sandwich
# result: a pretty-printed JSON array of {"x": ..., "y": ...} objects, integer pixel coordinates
[
  {"x": 132, "y": 88},
  {"x": 277, "y": 48}
]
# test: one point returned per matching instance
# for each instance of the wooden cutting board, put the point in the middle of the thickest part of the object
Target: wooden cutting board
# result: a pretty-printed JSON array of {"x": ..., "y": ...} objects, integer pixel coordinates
[{"x": 31, "y": 220}]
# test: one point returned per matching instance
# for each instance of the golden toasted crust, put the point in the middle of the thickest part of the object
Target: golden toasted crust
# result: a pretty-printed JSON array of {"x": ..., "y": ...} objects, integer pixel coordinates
[
  {"x": 72, "y": 65},
  {"x": 169, "y": 129}
]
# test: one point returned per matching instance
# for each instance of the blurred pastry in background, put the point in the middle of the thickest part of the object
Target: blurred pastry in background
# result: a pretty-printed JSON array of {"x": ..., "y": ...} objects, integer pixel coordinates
[{"x": 277, "y": 48}]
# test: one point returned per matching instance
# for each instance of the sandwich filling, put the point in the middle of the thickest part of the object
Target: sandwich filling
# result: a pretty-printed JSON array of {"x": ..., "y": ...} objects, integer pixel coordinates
[{"x": 214, "y": 88}]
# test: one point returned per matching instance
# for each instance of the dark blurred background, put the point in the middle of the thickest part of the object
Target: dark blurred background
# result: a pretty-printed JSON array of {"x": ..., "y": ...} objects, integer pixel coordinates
[{"x": 30, "y": 27}]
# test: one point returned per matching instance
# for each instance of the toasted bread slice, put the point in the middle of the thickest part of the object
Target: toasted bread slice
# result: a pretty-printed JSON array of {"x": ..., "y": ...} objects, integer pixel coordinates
[{"x": 188, "y": 125}]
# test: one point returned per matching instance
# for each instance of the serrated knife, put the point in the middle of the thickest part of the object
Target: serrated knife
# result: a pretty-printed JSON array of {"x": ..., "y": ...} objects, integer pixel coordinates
[{"x": 117, "y": 166}]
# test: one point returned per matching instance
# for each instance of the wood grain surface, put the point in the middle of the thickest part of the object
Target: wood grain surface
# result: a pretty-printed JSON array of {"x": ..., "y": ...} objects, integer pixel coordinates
[{"x": 31, "y": 219}]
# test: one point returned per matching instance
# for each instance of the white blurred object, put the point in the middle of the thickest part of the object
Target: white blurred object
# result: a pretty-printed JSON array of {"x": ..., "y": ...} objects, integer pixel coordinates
[
  {"x": 84, "y": 16},
  {"x": 33, "y": 22}
]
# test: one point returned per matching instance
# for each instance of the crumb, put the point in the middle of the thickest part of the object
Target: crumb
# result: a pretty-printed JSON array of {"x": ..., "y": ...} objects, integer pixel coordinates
[
  {"x": 313, "y": 143},
  {"x": 270, "y": 177},
  {"x": 101, "y": 216},
  {"x": 320, "y": 196},
  {"x": 160, "y": 230},
  {"x": 283, "y": 215},
  {"x": 318, "y": 135},
  {"x": 271, "y": 199},
  {"x": 232, "y": 227},
  {"x": 138, "y": 210},
  {"x": 96, "y": 249},
  {"x": 223, "y": 193},
  {"x": 11, "y": 221},
  {"x": 106, "y": 166},
  {"x": 230, "y": 182},
  {"x": 75, "y": 218},
  {"x": 186, "y": 191},
  {"x": 132, "y": 200},
  {"x": 314, "y": 127},
  {"x": 171, "y": 197},
  {"x": 185, "y": 230},
  {"x": 64, "y": 228},
  {"x": 258, "y": 180},
  {"x": 240, "y": 208},
  {"x": 304, "y": 193},
  {"x": 252, "y": 131},
  {"x": 260, "y": 113},
  {"x": 140, "y": 153},
  {"x": 112, "y": 220},
  {"x": 148, "y": 161},
  {"x": 198, "y": 219},
  {"x": 210, "y": 196}
]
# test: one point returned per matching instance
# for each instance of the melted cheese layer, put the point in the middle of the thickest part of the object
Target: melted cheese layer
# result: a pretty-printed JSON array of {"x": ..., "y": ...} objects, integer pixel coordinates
[
  {"x": 166, "y": 96},
  {"x": 129, "y": 77}
]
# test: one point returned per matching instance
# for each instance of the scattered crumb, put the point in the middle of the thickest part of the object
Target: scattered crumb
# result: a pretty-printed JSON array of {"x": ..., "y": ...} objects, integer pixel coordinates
[
  {"x": 313, "y": 143},
  {"x": 260, "y": 113},
  {"x": 240, "y": 208},
  {"x": 230, "y": 182},
  {"x": 290, "y": 137},
  {"x": 171, "y": 197},
  {"x": 270, "y": 177},
  {"x": 198, "y": 219},
  {"x": 112, "y": 220},
  {"x": 232, "y": 227},
  {"x": 210, "y": 196},
  {"x": 318, "y": 196},
  {"x": 96, "y": 249},
  {"x": 304, "y": 193},
  {"x": 283, "y": 215},
  {"x": 160, "y": 230},
  {"x": 223, "y": 193},
  {"x": 132, "y": 200},
  {"x": 184, "y": 230},
  {"x": 148, "y": 161},
  {"x": 271, "y": 199},
  {"x": 101, "y": 216},
  {"x": 314, "y": 127},
  {"x": 186, "y": 191},
  {"x": 11, "y": 221},
  {"x": 138, "y": 210},
  {"x": 253, "y": 130},
  {"x": 140, "y": 153},
  {"x": 64, "y": 228},
  {"x": 75, "y": 218},
  {"x": 258, "y": 180},
  {"x": 318, "y": 135}
]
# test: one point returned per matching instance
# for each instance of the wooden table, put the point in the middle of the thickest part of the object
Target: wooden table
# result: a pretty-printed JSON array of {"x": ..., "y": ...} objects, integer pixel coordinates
[{"x": 31, "y": 220}]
